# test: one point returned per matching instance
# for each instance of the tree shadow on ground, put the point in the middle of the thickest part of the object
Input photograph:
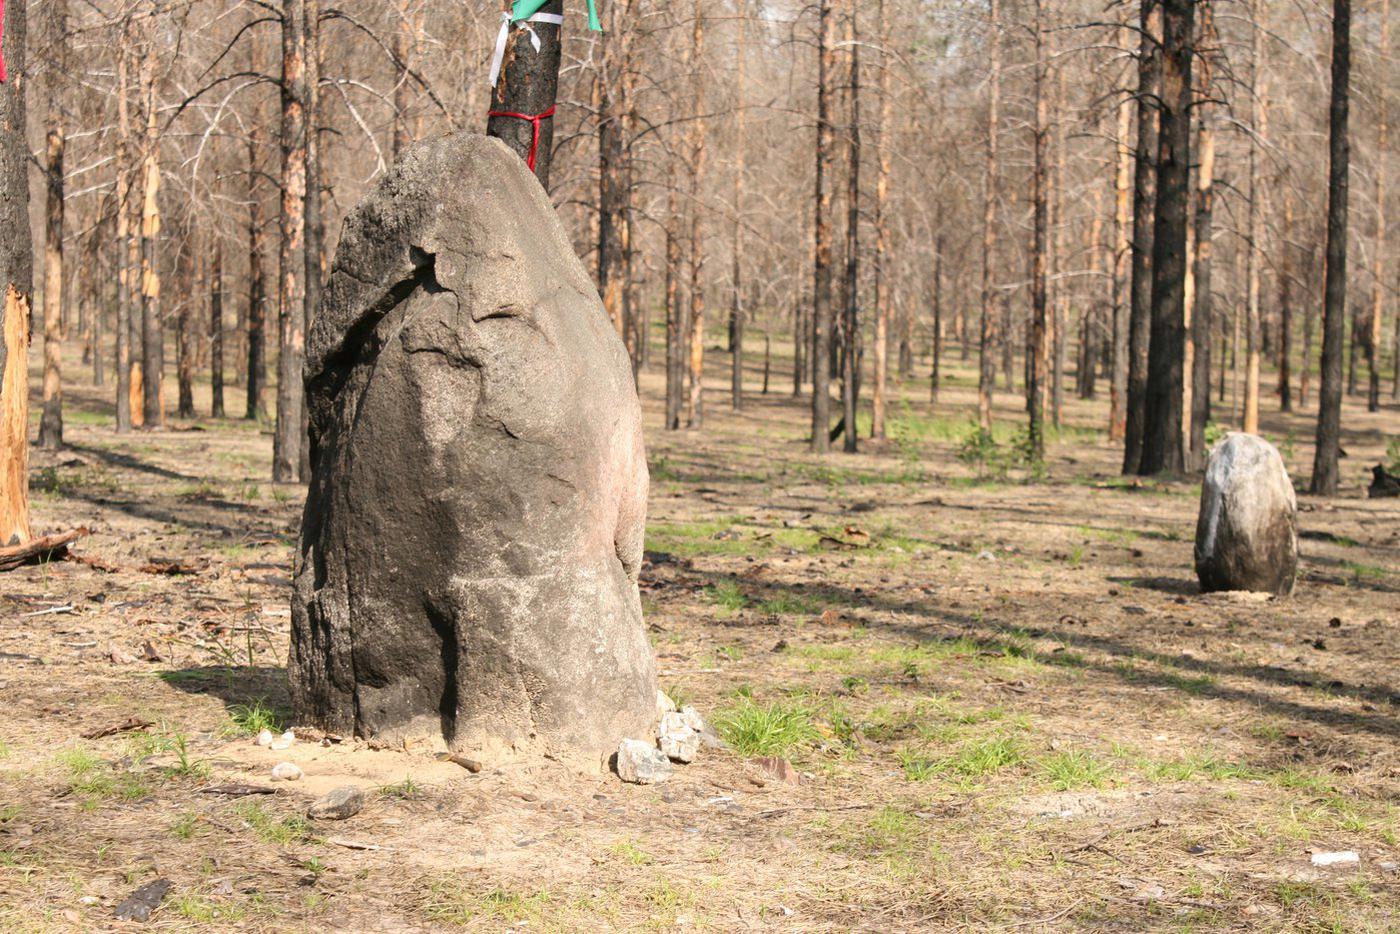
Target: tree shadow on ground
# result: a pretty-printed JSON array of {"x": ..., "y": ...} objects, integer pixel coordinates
[
  {"x": 128, "y": 462},
  {"x": 1173, "y": 585},
  {"x": 1002, "y": 638},
  {"x": 235, "y": 686}
]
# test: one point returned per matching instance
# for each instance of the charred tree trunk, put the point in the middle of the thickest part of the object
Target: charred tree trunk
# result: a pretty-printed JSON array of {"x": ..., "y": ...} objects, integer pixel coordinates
[
  {"x": 986, "y": 371},
  {"x": 216, "y": 333},
  {"x": 1163, "y": 441},
  {"x": 821, "y": 232},
  {"x": 184, "y": 326},
  {"x": 614, "y": 185},
  {"x": 1285, "y": 306},
  {"x": 152, "y": 331},
  {"x": 103, "y": 297},
  {"x": 1373, "y": 330},
  {"x": 521, "y": 112},
  {"x": 314, "y": 232},
  {"x": 1059, "y": 313},
  {"x": 935, "y": 376},
  {"x": 1144, "y": 200},
  {"x": 850, "y": 329},
  {"x": 1037, "y": 348},
  {"x": 695, "y": 402},
  {"x": 1255, "y": 245},
  {"x": 1201, "y": 323},
  {"x": 123, "y": 245},
  {"x": 880, "y": 390},
  {"x": 256, "y": 379},
  {"x": 736, "y": 304},
  {"x": 1329, "y": 417},
  {"x": 16, "y": 270},
  {"x": 51, "y": 419},
  {"x": 404, "y": 46},
  {"x": 291, "y": 261},
  {"x": 1090, "y": 341},
  {"x": 675, "y": 311}
]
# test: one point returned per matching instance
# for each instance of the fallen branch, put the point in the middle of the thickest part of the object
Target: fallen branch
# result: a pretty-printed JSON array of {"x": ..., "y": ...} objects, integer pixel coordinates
[
  {"x": 818, "y": 807},
  {"x": 352, "y": 844},
  {"x": 126, "y": 726},
  {"x": 35, "y": 551},
  {"x": 65, "y": 608}
]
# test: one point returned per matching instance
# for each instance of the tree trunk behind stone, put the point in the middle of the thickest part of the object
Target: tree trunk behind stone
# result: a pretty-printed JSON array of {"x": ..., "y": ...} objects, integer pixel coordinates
[
  {"x": 524, "y": 96},
  {"x": 1329, "y": 417},
  {"x": 291, "y": 263},
  {"x": 1163, "y": 447},
  {"x": 1144, "y": 198}
]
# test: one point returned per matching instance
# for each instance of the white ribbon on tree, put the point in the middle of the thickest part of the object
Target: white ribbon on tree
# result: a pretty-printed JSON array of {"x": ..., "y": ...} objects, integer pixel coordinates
[{"x": 503, "y": 36}]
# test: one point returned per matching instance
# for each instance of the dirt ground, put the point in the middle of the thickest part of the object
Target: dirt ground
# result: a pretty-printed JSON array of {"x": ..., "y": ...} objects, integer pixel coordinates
[{"x": 1009, "y": 706}]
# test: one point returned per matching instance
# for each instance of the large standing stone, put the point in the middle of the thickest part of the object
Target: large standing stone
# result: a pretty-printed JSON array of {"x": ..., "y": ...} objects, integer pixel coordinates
[
  {"x": 473, "y": 531},
  {"x": 1247, "y": 532}
]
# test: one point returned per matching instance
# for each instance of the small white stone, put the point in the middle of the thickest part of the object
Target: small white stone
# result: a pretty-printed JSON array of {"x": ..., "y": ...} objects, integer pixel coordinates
[
  {"x": 677, "y": 739},
  {"x": 1339, "y": 858},
  {"x": 642, "y": 763},
  {"x": 286, "y": 772},
  {"x": 264, "y": 738},
  {"x": 286, "y": 741}
]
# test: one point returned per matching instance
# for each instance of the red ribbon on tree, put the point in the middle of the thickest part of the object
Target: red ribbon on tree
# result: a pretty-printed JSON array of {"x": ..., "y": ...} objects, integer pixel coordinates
[
  {"x": 2, "y": 40},
  {"x": 534, "y": 125}
]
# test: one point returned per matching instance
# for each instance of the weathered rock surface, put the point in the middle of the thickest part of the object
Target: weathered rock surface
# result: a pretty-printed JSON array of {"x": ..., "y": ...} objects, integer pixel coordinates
[
  {"x": 473, "y": 530},
  {"x": 1247, "y": 531},
  {"x": 642, "y": 763},
  {"x": 677, "y": 740},
  {"x": 337, "y": 804},
  {"x": 1383, "y": 483}
]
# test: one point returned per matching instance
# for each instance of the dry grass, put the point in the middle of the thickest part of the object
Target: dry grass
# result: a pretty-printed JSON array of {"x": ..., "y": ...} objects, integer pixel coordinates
[{"x": 1012, "y": 708}]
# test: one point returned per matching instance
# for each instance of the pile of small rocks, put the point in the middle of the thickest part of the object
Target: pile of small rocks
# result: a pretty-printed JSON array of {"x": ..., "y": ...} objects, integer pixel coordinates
[{"x": 679, "y": 736}]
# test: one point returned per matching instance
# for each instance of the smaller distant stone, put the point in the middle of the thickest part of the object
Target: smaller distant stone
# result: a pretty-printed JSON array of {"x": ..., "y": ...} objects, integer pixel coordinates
[
  {"x": 1247, "y": 531},
  {"x": 139, "y": 904},
  {"x": 265, "y": 738},
  {"x": 677, "y": 739},
  {"x": 338, "y": 804},
  {"x": 642, "y": 763},
  {"x": 286, "y": 772},
  {"x": 286, "y": 741}
]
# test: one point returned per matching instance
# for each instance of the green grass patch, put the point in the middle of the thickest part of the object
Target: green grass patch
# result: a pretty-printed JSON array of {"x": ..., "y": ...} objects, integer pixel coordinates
[
  {"x": 404, "y": 790},
  {"x": 978, "y": 758},
  {"x": 1198, "y": 765},
  {"x": 95, "y": 781},
  {"x": 450, "y": 900},
  {"x": 252, "y": 719},
  {"x": 270, "y": 828},
  {"x": 1076, "y": 768},
  {"x": 777, "y": 729},
  {"x": 727, "y": 596}
]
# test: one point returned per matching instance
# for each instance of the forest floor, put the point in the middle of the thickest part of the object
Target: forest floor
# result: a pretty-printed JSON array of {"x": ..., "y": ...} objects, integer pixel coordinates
[{"x": 1010, "y": 707}]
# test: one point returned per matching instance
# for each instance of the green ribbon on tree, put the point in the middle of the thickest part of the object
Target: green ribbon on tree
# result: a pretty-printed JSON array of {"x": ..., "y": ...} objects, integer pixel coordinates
[{"x": 524, "y": 9}]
